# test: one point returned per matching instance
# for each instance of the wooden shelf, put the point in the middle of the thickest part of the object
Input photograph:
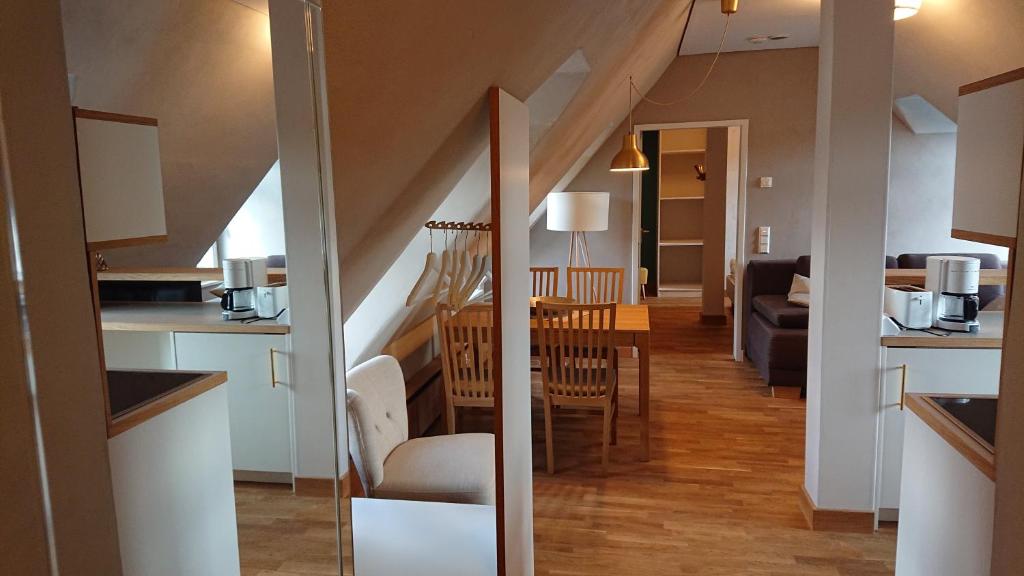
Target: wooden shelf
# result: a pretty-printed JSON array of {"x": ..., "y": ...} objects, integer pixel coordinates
[
  {"x": 681, "y": 198},
  {"x": 691, "y": 151},
  {"x": 683, "y": 242},
  {"x": 679, "y": 287}
]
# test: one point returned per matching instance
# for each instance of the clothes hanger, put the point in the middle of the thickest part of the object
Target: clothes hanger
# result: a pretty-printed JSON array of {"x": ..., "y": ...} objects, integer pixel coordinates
[
  {"x": 459, "y": 273},
  {"x": 442, "y": 282},
  {"x": 476, "y": 274},
  {"x": 431, "y": 269}
]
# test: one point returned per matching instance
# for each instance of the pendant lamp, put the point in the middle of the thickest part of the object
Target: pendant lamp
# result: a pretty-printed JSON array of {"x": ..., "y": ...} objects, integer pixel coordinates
[{"x": 630, "y": 158}]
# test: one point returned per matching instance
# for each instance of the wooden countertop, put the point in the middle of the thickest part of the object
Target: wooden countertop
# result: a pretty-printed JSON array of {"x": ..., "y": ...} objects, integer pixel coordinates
[
  {"x": 181, "y": 317},
  {"x": 971, "y": 446},
  {"x": 160, "y": 402},
  {"x": 179, "y": 274},
  {"x": 990, "y": 335},
  {"x": 915, "y": 277}
]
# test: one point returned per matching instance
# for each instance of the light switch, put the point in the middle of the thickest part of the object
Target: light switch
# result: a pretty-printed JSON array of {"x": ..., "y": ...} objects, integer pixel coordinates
[
  {"x": 765, "y": 182},
  {"x": 764, "y": 238}
]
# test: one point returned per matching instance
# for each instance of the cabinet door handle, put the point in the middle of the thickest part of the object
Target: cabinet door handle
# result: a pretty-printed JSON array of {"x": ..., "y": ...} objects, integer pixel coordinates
[
  {"x": 903, "y": 386},
  {"x": 273, "y": 370}
]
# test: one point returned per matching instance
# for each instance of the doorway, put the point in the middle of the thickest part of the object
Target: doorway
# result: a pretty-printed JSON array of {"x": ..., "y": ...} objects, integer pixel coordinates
[{"x": 689, "y": 213}]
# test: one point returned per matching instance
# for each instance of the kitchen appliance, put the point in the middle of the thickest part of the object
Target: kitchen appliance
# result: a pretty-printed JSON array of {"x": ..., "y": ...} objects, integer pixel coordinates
[
  {"x": 909, "y": 306},
  {"x": 953, "y": 282},
  {"x": 241, "y": 278},
  {"x": 271, "y": 300}
]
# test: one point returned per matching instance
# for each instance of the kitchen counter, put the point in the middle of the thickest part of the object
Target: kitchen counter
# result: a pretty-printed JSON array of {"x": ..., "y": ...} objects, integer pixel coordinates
[
  {"x": 989, "y": 335},
  {"x": 966, "y": 422},
  {"x": 181, "y": 317},
  {"x": 136, "y": 396}
]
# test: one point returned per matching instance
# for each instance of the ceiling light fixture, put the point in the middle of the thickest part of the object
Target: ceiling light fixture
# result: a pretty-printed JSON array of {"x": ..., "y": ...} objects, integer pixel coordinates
[
  {"x": 630, "y": 158},
  {"x": 905, "y": 9}
]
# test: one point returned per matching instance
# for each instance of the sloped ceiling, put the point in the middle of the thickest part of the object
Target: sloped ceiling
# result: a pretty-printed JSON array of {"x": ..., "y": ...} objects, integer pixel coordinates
[
  {"x": 406, "y": 85},
  {"x": 954, "y": 42},
  {"x": 203, "y": 69}
]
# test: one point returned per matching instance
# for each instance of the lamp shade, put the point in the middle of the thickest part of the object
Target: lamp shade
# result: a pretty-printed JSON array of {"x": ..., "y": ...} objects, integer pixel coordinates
[
  {"x": 578, "y": 211},
  {"x": 905, "y": 9}
]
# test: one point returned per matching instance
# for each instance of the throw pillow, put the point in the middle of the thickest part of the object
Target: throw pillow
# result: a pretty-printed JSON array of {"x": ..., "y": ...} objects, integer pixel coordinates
[{"x": 800, "y": 291}]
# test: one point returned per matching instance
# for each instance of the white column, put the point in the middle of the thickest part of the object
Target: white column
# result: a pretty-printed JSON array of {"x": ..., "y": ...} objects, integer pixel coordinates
[
  {"x": 855, "y": 68},
  {"x": 311, "y": 351}
]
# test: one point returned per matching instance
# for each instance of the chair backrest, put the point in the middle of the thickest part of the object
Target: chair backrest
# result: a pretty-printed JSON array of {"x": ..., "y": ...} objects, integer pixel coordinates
[
  {"x": 545, "y": 281},
  {"x": 595, "y": 285},
  {"x": 466, "y": 354},
  {"x": 577, "y": 344},
  {"x": 377, "y": 417}
]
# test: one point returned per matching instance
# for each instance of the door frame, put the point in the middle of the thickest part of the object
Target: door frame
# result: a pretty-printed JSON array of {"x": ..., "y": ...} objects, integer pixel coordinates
[{"x": 741, "y": 217}]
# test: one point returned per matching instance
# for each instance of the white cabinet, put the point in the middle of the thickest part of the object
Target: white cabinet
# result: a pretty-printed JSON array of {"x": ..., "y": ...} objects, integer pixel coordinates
[
  {"x": 138, "y": 350},
  {"x": 173, "y": 495},
  {"x": 928, "y": 370},
  {"x": 989, "y": 150},
  {"x": 119, "y": 167},
  {"x": 946, "y": 518},
  {"x": 259, "y": 397}
]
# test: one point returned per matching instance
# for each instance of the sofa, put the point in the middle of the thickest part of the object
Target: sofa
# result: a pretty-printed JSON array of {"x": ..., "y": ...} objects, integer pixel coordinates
[{"x": 775, "y": 331}]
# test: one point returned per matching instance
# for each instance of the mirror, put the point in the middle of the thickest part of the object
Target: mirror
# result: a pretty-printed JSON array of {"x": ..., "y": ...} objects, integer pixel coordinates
[{"x": 206, "y": 193}]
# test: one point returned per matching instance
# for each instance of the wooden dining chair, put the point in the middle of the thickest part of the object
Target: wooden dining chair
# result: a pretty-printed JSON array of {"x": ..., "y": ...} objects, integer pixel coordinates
[
  {"x": 545, "y": 281},
  {"x": 578, "y": 366},
  {"x": 595, "y": 285},
  {"x": 466, "y": 357}
]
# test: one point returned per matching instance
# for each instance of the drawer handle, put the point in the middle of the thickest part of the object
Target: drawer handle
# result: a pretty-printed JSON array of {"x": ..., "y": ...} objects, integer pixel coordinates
[
  {"x": 273, "y": 370},
  {"x": 903, "y": 386}
]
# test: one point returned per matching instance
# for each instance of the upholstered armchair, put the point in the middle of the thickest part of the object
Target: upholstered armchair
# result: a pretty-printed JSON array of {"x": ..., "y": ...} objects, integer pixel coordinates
[{"x": 452, "y": 468}]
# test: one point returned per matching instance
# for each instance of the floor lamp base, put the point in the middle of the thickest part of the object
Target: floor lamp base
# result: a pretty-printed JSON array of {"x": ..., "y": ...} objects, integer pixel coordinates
[{"x": 579, "y": 251}]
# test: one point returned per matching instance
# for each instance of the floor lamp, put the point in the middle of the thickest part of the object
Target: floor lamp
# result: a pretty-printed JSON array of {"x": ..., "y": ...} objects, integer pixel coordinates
[{"x": 578, "y": 213}]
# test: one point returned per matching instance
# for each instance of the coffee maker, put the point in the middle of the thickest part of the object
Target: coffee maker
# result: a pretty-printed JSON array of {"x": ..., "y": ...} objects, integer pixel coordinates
[
  {"x": 953, "y": 282},
  {"x": 241, "y": 278}
]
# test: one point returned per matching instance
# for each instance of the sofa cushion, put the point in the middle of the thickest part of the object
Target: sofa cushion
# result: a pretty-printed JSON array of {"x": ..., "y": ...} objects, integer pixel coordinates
[
  {"x": 455, "y": 468},
  {"x": 777, "y": 310}
]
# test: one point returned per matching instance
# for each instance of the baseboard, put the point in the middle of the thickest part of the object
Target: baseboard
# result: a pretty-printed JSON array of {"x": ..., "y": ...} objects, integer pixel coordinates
[
  {"x": 323, "y": 487},
  {"x": 262, "y": 477},
  {"x": 788, "y": 392},
  {"x": 713, "y": 319},
  {"x": 825, "y": 520},
  {"x": 888, "y": 514}
]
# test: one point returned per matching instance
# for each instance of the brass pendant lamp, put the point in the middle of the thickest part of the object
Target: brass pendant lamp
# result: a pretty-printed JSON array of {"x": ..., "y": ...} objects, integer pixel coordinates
[{"x": 630, "y": 158}]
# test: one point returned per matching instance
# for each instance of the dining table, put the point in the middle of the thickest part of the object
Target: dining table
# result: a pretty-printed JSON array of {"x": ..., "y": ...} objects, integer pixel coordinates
[{"x": 632, "y": 328}]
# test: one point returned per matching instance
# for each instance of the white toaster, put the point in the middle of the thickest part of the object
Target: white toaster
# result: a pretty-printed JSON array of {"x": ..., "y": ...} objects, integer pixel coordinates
[
  {"x": 909, "y": 306},
  {"x": 271, "y": 300}
]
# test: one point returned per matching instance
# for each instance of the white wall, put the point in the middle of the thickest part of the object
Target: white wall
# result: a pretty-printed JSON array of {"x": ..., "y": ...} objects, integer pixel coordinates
[
  {"x": 383, "y": 314},
  {"x": 921, "y": 195},
  {"x": 780, "y": 144},
  {"x": 257, "y": 229}
]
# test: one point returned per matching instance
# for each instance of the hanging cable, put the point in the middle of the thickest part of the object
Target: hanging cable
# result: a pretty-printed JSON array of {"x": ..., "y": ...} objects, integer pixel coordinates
[{"x": 707, "y": 75}]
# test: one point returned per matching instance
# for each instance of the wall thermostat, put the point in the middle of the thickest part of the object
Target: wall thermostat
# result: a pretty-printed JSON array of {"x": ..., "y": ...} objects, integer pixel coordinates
[{"x": 765, "y": 182}]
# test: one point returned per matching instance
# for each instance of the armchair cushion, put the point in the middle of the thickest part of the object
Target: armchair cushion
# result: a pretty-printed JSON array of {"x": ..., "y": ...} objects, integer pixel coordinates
[
  {"x": 453, "y": 468},
  {"x": 777, "y": 310}
]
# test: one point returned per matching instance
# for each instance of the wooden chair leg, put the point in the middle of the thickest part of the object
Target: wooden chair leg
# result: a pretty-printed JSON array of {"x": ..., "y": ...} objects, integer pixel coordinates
[
  {"x": 615, "y": 417},
  {"x": 549, "y": 440},
  {"x": 607, "y": 436},
  {"x": 451, "y": 417}
]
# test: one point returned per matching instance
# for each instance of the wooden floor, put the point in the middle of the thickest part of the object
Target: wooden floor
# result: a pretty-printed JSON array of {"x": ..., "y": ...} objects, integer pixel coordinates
[{"x": 720, "y": 494}]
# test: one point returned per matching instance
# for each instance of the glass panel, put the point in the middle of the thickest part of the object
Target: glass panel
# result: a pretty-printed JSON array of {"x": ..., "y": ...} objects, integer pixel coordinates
[{"x": 229, "y": 95}]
